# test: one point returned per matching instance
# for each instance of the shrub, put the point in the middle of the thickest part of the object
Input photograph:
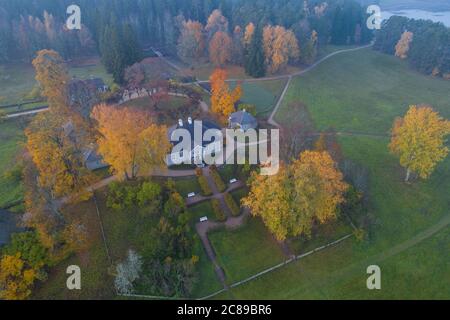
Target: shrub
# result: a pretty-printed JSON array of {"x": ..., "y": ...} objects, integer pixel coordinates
[
  {"x": 206, "y": 190},
  {"x": 231, "y": 203},
  {"x": 250, "y": 108},
  {"x": 218, "y": 212},
  {"x": 217, "y": 179},
  {"x": 149, "y": 192},
  {"x": 198, "y": 172}
]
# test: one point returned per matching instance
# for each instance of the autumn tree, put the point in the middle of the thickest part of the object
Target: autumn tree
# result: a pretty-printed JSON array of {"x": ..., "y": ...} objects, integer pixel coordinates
[
  {"x": 129, "y": 140},
  {"x": 53, "y": 77},
  {"x": 220, "y": 49},
  {"x": 280, "y": 46},
  {"x": 216, "y": 23},
  {"x": 402, "y": 47},
  {"x": 223, "y": 99},
  {"x": 56, "y": 150},
  {"x": 16, "y": 278},
  {"x": 135, "y": 76},
  {"x": 306, "y": 192},
  {"x": 191, "y": 43},
  {"x": 248, "y": 34},
  {"x": 418, "y": 140}
]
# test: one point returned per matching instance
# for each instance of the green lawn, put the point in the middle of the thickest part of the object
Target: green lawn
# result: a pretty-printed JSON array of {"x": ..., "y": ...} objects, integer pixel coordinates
[
  {"x": 187, "y": 185},
  {"x": 246, "y": 251},
  {"x": 263, "y": 94},
  {"x": 363, "y": 91},
  {"x": 17, "y": 80},
  {"x": 200, "y": 210},
  {"x": 401, "y": 212},
  {"x": 11, "y": 137}
]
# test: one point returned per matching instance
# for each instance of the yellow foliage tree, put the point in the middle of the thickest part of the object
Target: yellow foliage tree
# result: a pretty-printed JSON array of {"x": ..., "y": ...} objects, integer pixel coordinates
[
  {"x": 129, "y": 140},
  {"x": 419, "y": 140},
  {"x": 16, "y": 278},
  {"x": 307, "y": 191},
  {"x": 402, "y": 47},
  {"x": 280, "y": 46},
  {"x": 248, "y": 35},
  {"x": 56, "y": 150},
  {"x": 222, "y": 99},
  {"x": 53, "y": 77}
]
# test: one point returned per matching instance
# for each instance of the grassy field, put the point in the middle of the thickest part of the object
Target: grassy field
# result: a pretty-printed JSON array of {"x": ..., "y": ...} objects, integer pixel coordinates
[
  {"x": 11, "y": 138},
  {"x": 408, "y": 235},
  {"x": 17, "y": 80},
  {"x": 263, "y": 94},
  {"x": 363, "y": 91},
  {"x": 246, "y": 251}
]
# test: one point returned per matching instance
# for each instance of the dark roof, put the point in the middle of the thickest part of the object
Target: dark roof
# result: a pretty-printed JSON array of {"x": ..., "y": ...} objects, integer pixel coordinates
[
  {"x": 243, "y": 118},
  {"x": 8, "y": 225},
  {"x": 206, "y": 125}
]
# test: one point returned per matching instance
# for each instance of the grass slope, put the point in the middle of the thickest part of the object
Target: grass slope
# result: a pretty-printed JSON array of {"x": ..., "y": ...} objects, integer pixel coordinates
[
  {"x": 363, "y": 91},
  {"x": 408, "y": 236},
  {"x": 11, "y": 137}
]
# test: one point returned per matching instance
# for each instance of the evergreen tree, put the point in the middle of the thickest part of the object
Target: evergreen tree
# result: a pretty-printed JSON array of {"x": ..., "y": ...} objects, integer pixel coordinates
[{"x": 254, "y": 56}]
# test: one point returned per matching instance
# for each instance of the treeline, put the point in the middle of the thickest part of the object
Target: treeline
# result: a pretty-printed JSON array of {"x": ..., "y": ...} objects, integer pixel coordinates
[
  {"x": 425, "y": 44},
  {"x": 118, "y": 28}
]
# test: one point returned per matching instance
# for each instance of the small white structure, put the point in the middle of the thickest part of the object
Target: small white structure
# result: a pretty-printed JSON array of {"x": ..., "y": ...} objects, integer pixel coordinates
[
  {"x": 192, "y": 194},
  {"x": 203, "y": 219},
  {"x": 233, "y": 181}
]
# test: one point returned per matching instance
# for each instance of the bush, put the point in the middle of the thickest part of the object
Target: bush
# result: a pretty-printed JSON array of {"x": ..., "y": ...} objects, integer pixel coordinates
[
  {"x": 218, "y": 212},
  {"x": 250, "y": 108},
  {"x": 122, "y": 196},
  {"x": 149, "y": 192},
  {"x": 231, "y": 203},
  {"x": 198, "y": 172},
  {"x": 206, "y": 190},
  {"x": 217, "y": 179}
]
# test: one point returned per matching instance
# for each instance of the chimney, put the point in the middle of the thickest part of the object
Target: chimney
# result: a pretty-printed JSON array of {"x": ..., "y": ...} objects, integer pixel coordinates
[
  {"x": 245, "y": 110},
  {"x": 180, "y": 122},
  {"x": 190, "y": 120}
]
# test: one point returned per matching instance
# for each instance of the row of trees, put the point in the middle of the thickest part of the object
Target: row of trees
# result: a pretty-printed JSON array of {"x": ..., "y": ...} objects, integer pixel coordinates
[
  {"x": 425, "y": 44},
  {"x": 270, "y": 48}
]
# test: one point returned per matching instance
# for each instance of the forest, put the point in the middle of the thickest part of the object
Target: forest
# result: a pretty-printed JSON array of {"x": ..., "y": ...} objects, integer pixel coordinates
[
  {"x": 425, "y": 44},
  {"x": 119, "y": 29}
]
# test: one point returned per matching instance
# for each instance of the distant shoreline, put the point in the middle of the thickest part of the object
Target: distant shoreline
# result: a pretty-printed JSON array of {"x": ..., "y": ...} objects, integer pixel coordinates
[{"x": 416, "y": 5}]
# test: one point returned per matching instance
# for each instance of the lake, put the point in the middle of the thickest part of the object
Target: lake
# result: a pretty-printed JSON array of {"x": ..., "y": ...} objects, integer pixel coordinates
[{"x": 443, "y": 17}]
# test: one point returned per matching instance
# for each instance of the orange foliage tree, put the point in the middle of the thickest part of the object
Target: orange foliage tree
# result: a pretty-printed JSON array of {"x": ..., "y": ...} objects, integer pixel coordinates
[
  {"x": 402, "y": 47},
  {"x": 280, "y": 46},
  {"x": 222, "y": 99},
  {"x": 129, "y": 140},
  {"x": 191, "y": 43},
  {"x": 220, "y": 49}
]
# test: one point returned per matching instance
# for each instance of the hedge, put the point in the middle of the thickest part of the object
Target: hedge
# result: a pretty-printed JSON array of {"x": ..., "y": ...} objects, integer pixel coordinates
[
  {"x": 217, "y": 180},
  {"x": 231, "y": 203},
  {"x": 218, "y": 212},
  {"x": 206, "y": 190}
]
